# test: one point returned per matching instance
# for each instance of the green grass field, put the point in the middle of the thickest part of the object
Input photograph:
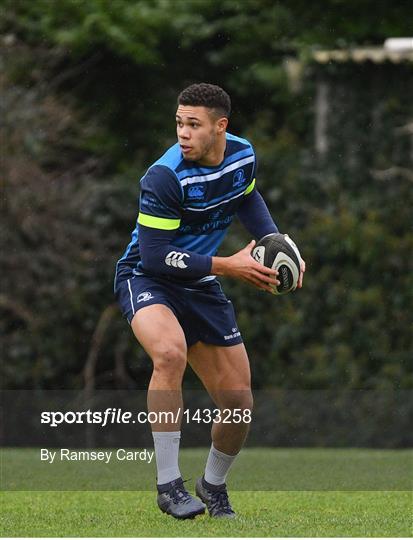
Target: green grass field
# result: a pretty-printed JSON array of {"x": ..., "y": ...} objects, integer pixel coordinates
[{"x": 260, "y": 513}]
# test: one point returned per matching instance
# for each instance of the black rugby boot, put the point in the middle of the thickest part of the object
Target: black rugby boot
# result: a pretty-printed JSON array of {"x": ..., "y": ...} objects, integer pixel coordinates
[
  {"x": 173, "y": 499},
  {"x": 216, "y": 499}
]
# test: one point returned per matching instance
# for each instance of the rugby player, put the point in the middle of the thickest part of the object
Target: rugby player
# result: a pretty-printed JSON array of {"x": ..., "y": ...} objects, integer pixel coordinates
[{"x": 167, "y": 287}]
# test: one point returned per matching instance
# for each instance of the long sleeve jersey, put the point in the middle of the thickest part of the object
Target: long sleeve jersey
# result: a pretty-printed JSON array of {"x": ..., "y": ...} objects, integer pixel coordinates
[{"x": 185, "y": 210}]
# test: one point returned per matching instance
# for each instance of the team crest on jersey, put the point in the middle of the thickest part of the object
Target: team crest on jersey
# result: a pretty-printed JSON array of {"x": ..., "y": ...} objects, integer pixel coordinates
[
  {"x": 196, "y": 192},
  {"x": 239, "y": 178}
]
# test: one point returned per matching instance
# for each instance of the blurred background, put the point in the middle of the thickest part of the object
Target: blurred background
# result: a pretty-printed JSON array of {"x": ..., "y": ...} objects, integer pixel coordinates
[{"x": 88, "y": 96}]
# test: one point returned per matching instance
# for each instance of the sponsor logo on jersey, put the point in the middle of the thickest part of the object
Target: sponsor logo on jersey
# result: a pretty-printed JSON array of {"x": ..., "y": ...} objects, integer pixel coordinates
[
  {"x": 185, "y": 229},
  {"x": 204, "y": 228},
  {"x": 148, "y": 202},
  {"x": 175, "y": 259},
  {"x": 216, "y": 214},
  {"x": 239, "y": 178},
  {"x": 196, "y": 192},
  {"x": 144, "y": 297}
]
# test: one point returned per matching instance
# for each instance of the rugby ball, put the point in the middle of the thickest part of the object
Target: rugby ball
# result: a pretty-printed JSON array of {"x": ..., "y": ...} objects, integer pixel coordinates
[{"x": 278, "y": 251}]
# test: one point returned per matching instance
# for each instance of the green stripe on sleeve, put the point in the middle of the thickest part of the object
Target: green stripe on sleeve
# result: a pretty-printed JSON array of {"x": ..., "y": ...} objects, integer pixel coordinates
[
  {"x": 250, "y": 187},
  {"x": 158, "y": 222}
]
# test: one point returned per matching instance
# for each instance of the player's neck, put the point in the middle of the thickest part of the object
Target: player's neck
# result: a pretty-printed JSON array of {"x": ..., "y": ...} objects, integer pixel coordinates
[{"x": 216, "y": 154}]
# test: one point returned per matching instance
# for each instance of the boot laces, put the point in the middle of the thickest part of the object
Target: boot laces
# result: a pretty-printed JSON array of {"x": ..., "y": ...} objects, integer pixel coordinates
[
  {"x": 179, "y": 494},
  {"x": 219, "y": 500}
]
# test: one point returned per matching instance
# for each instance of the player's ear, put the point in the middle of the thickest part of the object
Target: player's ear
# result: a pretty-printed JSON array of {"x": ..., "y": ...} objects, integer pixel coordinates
[{"x": 222, "y": 124}]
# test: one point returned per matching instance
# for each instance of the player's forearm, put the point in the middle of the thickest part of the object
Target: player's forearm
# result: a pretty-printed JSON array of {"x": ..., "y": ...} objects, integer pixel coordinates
[
  {"x": 175, "y": 261},
  {"x": 160, "y": 256},
  {"x": 255, "y": 216}
]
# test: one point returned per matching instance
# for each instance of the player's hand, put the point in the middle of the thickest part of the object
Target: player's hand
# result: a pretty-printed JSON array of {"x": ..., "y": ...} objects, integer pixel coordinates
[
  {"x": 242, "y": 266},
  {"x": 300, "y": 279}
]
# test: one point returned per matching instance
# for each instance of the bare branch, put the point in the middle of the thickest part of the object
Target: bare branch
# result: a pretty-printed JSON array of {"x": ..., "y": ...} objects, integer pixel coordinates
[
  {"x": 121, "y": 373},
  {"x": 405, "y": 130},
  {"x": 73, "y": 72},
  {"x": 392, "y": 173},
  {"x": 89, "y": 369},
  {"x": 18, "y": 309}
]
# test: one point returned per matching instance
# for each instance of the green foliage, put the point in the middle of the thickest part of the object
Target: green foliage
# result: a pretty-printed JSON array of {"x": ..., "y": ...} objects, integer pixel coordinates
[
  {"x": 129, "y": 28},
  {"x": 89, "y": 96}
]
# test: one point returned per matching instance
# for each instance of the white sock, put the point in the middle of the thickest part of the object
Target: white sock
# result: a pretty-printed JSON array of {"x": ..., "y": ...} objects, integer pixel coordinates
[
  {"x": 217, "y": 466},
  {"x": 166, "y": 451}
]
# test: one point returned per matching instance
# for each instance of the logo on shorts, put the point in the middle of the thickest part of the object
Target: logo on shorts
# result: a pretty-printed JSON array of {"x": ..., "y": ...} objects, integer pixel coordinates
[
  {"x": 144, "y": 297},
  {"x": 175, "y": 259},
  {"x": 235, "y": 333}
]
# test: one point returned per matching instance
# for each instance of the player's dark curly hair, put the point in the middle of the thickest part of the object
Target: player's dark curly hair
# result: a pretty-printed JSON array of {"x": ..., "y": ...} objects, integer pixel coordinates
[{"x": 206, "y": 95}]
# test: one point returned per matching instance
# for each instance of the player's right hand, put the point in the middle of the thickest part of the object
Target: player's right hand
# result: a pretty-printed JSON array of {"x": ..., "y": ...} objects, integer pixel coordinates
[{"x": 242, "y": 266}]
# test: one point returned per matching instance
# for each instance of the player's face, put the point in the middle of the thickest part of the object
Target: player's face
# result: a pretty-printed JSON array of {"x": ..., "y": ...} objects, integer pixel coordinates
[{"x": 197, "y": 131}]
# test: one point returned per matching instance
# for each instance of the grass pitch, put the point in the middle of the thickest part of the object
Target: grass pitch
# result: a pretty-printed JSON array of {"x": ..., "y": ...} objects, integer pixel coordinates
[
  {"x": 260, "y": 513},
  {"x": 264, "y": 514}
]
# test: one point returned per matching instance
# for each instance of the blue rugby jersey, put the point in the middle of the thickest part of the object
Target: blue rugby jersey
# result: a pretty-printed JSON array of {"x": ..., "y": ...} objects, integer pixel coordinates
[{"x": 197, "y": 204}]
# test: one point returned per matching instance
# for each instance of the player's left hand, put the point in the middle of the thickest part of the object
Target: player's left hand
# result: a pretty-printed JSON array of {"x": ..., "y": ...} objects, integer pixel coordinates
[{"x": 300, "y": 279}]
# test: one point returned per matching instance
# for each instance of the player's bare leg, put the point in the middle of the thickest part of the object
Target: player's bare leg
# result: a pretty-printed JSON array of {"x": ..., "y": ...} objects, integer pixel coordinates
[
  {"x": 225, "y": 373},
  {"x": 160, "y": 334},
  {"x": 162, "y": 337}
]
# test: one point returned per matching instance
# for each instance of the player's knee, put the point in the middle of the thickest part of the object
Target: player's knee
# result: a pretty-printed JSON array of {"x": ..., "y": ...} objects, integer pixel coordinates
[
  {"x": 237, "y": 399},
  {"x": 169, "y": 359},
  {"x": 245, "y": 400}
]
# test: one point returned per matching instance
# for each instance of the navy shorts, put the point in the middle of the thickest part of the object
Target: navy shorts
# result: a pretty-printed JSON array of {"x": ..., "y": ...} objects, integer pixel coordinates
[{"x": 204, "y": 312}]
